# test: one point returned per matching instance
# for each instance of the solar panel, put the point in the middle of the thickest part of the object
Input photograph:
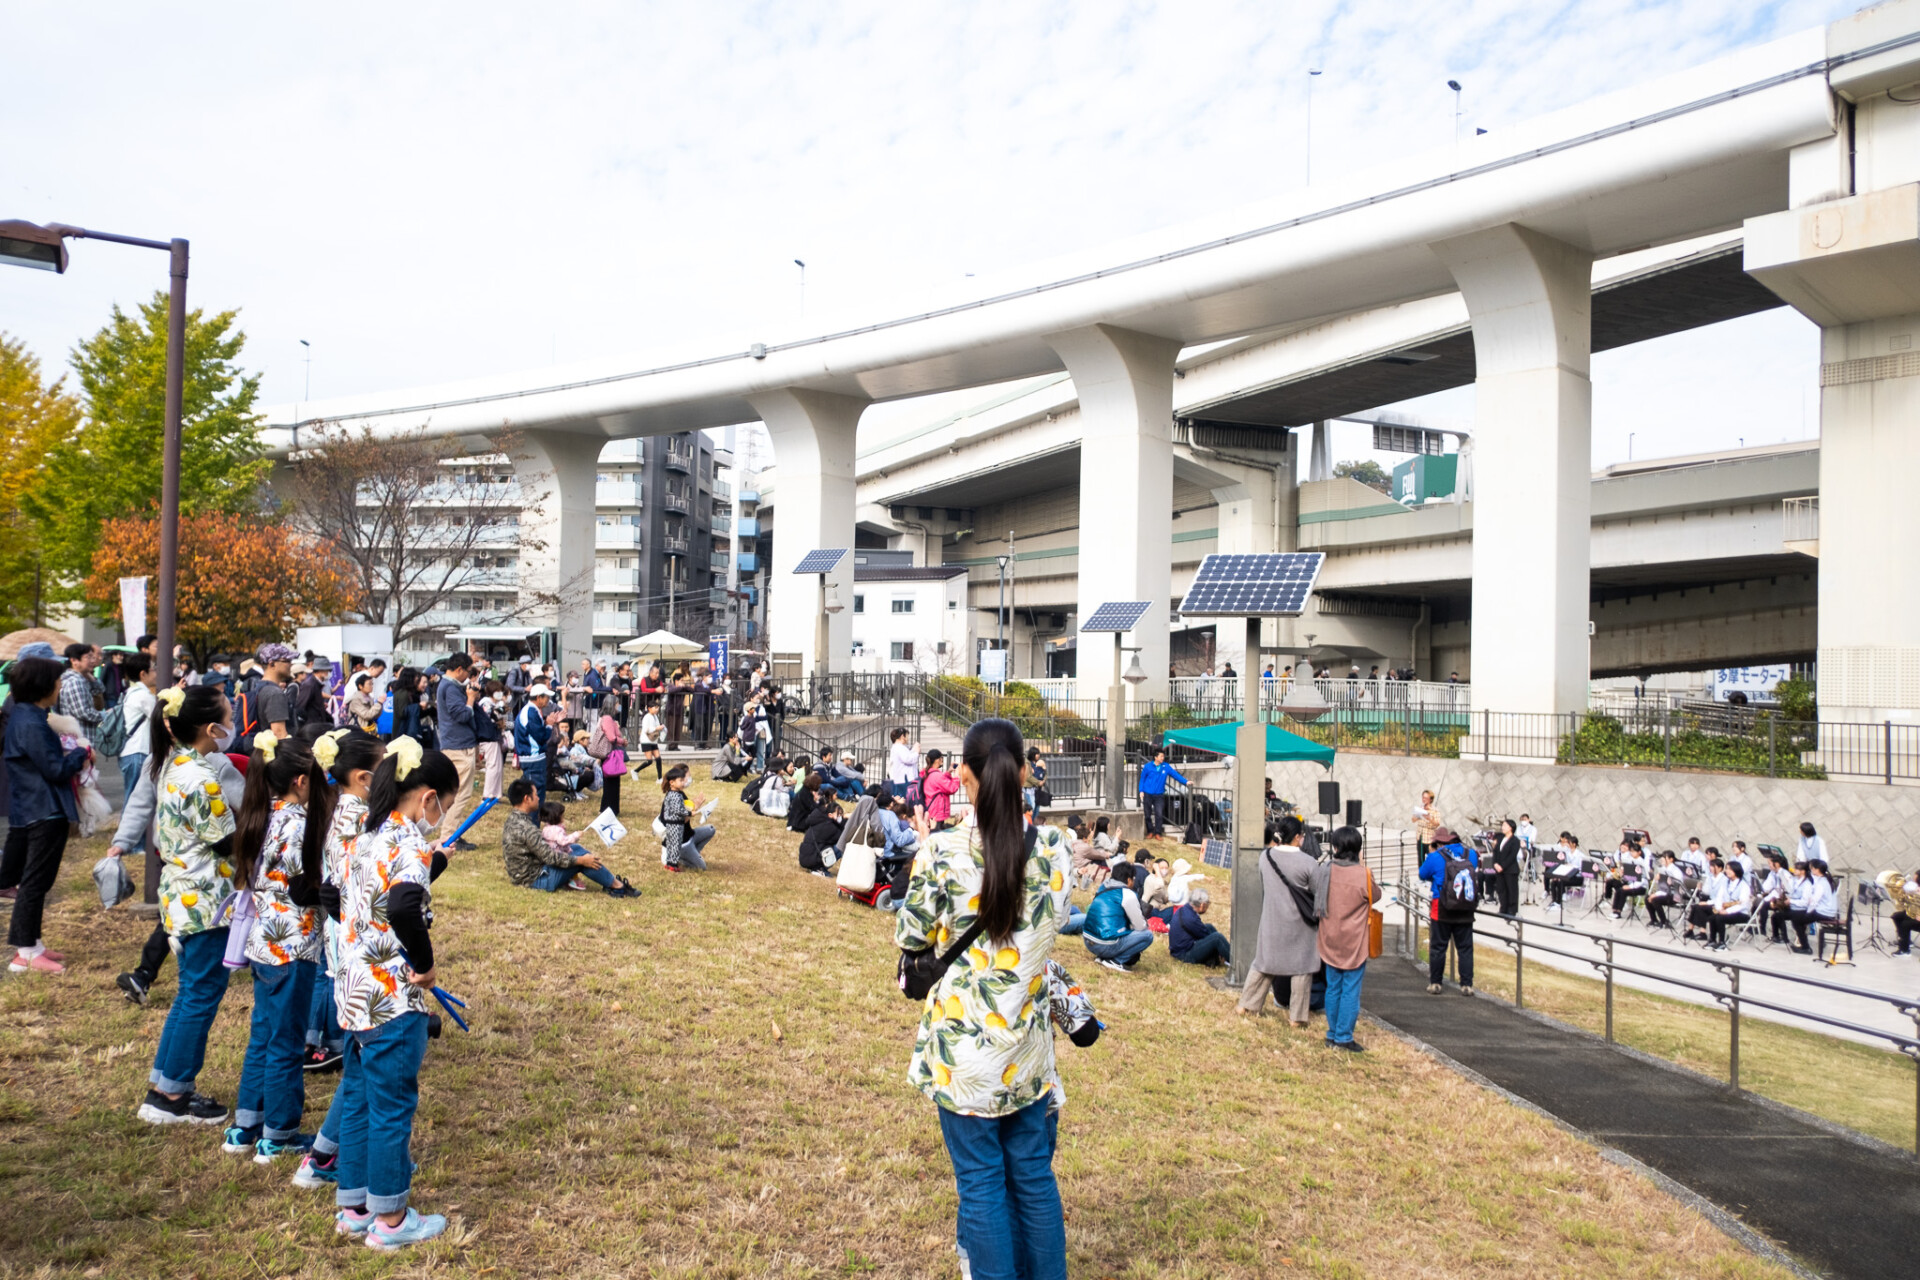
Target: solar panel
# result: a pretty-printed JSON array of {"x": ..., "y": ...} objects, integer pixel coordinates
[
  {"x": 822, "y": 561},
  {"x": 1240, "y": 586},
  {"x": 1117, "y": 615}
]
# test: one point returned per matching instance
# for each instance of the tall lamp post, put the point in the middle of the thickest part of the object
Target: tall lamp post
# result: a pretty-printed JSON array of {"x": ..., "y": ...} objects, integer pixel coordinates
[{"x": 24, "y": 244}]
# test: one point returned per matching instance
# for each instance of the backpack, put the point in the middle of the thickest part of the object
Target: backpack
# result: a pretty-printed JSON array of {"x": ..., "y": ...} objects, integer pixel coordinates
[
  {"x": 246, "y": 720},
  {"x": 111, "y": 733},
  {"x": 1459, "y": 893}
]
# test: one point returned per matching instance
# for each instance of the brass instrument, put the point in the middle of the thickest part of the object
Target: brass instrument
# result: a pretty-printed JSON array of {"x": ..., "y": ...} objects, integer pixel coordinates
[{"x": 1905, "y": 902}]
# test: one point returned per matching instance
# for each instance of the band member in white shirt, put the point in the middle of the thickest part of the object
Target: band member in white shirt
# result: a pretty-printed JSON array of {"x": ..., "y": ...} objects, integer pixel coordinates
[
  {"x": 1667, "y": 886},
  {"x": 1735, "y": 906},
  {"x": 1707, "y": 901}
]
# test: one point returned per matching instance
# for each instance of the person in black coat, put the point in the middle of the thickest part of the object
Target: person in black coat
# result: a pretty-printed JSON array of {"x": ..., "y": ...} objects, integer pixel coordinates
[
  {"x": 822, "y": 832},
  {"x": 805, "y": 801},
  {"x": 1506, "y": 868}
]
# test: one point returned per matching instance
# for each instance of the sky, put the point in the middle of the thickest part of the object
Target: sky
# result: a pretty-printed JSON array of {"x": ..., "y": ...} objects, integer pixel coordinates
[{"x": 434, "y": 191}]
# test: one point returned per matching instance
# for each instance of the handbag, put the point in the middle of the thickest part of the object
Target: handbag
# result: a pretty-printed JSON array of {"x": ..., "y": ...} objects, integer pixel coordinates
[
  {"x": 859, "y": 864},
  {"x": 1042, "y": 798},
  {"x": 615, "y": 764},
  {"x": 1376, "y": 924},
  {"x": 111, "y": 879},
  {"x": 920, "y": 970}
]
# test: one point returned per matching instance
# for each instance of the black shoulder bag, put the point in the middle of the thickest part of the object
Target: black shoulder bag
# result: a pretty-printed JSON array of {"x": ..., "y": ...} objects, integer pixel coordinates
[
  {"x": 921, "y": 970},
  {"x": 1302, "y": 902}
]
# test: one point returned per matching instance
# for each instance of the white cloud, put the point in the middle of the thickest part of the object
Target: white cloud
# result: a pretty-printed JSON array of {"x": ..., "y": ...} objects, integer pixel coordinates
[{"x": 433, "y": 192}]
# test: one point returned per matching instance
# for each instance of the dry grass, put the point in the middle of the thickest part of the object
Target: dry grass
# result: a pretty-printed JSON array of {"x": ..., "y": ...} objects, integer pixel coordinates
[
  {"x": 1857, "y": 1085},
  {"x": 710, "y": 1082}
]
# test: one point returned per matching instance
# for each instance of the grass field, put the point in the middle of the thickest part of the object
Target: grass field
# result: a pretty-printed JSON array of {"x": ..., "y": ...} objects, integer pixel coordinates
[
  {"x": 1857, "y": 1085},
  {"x": 709, "y": 1081}
]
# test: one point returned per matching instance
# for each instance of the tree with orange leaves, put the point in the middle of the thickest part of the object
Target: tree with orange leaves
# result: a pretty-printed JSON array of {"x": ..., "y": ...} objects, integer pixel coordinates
[{"x": 241, "y": 581}]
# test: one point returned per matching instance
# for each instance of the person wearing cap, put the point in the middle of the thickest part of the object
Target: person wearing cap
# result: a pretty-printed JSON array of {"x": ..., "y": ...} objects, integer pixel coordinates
[
  {"x": 219, "y": 673},
  {"x": 273, "y": 707},
  {"x": 532, "y": 728},
  {"x": 311, "y": 703},
  {"x": 848, "y": 780},
  {"x": 1448, "y": 927}
]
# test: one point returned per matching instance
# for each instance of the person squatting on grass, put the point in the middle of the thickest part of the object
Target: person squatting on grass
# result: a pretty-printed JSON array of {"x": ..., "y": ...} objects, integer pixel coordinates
[
  {"x": 984, "y": 1050},
  {"x": 279, "y": 843},
  {"x": 194, "y": 831},
  {"x": 684, "y": 843},
  {"x": 349, "y": 756},
  {"x": 386, "y": 974}
]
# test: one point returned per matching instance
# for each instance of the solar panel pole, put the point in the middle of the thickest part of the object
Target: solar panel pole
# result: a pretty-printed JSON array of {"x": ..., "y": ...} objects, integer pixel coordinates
[
  {"x": 1249, "y": 816},
  {"x": 1116, "y": 734}
]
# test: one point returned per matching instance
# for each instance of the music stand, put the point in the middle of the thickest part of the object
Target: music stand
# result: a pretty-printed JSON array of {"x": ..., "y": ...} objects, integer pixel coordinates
[{"x": 1874, "y": 896}]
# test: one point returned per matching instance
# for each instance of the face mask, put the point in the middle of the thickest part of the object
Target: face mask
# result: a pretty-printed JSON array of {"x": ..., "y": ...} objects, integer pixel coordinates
[{"x": 222, "y": 737}]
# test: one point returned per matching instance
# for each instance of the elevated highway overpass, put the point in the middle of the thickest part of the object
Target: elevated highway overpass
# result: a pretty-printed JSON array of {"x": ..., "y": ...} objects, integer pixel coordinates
[{"x": 1798, "y": 144}]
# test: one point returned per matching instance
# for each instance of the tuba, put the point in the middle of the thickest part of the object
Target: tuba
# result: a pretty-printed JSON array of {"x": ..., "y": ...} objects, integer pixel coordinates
[{"x": 1893, "y": 883}]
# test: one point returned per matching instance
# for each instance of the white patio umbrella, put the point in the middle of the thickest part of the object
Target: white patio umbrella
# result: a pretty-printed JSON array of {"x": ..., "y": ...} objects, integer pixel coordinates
[{"x": 663, "y": 645}]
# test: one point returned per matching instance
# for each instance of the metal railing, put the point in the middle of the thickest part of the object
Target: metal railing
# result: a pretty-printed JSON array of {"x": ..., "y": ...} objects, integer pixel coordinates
[{"x": 1413, "y": 896}]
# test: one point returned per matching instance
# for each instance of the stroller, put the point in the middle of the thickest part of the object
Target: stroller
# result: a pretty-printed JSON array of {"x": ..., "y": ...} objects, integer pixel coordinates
[
  {"x": 573, "y": 779},
  {"x": 889, "y": 883}
]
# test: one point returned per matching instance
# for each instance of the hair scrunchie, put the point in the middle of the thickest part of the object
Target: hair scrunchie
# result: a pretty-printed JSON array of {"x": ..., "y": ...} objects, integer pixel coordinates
[
  {"x": 407, "y": 755},
  {"x": 326, "y": 748},
  {"x": 266, "y": 742},
  {"x": 171, "y": 700}
]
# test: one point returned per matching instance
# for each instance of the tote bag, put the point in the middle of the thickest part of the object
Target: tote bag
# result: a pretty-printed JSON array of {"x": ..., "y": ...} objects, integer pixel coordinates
[
  {"x": 859, "y": 864},
  {"x": 1376, "y": 924}
]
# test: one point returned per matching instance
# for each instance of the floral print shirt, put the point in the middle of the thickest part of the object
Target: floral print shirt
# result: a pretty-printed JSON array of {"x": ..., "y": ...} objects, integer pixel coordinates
[
  {"x": 370, "y": 987},
  {"x": 282, "y": 932},
  {"x": 190, "y": 817},
  {"x": 985, "y": 1044},
  {"x": 349, "y": 817}
]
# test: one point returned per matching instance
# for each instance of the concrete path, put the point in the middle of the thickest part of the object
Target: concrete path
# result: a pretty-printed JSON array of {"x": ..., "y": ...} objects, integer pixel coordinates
[{"x": 1844, "y": 1207}]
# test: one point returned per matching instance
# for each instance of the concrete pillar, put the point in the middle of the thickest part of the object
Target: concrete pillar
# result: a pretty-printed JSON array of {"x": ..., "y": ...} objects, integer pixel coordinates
[
  {"x": 1125, "y": 384},
  {"x": 1321, "y": 466},
  {"x": 1530, "y": 300},
  {"x": 556, "y": 471},
  {"x": 813, "y": 435}
]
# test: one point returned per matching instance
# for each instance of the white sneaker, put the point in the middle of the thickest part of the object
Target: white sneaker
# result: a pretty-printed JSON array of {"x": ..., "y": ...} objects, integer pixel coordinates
[{"x": 1114, "y": 965}]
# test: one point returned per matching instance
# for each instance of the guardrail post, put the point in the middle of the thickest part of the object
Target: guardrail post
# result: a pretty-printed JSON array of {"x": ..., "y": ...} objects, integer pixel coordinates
[
  {"x": 1733, "y": 1007},
  {"x": 1608, "y": 945},
  {"x": 1889, "y": 752},
  {"x": 1573, "y": 737},
  {"x": 1486, "y": 736},
  {"x": 1666, "y": 724},
  {"x": 1409, "y": 726},
  {"x": 1772, "y": 726},
  {"x": 1519, "y": 963}
]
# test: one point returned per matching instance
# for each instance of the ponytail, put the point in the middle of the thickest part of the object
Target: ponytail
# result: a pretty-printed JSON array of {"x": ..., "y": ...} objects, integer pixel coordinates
[
  {"x": 177, "y": 719},
  {"x": 276, "y": 765},
  {"x": 993, "y": 752},
  {"x": 407, "y": 768}
]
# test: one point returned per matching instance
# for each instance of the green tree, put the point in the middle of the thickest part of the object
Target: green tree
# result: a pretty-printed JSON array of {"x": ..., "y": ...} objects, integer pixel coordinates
[
  {"x": 111, "y": 466},
  {"x": 34, "y": 418},
  {"x": 1368, "y": 473}
]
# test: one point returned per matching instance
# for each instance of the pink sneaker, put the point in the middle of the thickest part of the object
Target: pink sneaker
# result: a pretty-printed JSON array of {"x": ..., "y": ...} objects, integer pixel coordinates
[
  {"x": 42, "y": 963},
  {"x": 53, "y": 955}
]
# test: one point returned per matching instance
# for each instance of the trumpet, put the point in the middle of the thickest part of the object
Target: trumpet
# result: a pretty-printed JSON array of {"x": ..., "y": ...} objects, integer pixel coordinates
[{"x": 1894, "y": 884}]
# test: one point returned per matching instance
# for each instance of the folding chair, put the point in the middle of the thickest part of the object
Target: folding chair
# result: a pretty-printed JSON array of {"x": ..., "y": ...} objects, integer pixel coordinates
[{"x": 1838, "y": 930}]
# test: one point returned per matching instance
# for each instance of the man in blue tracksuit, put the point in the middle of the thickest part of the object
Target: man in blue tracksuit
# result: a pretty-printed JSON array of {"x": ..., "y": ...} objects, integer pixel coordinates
[
  {"x": 1153, "y": 790},
  {"x": 1450, "y": 915},
  {"x": 530, "y": 734}
]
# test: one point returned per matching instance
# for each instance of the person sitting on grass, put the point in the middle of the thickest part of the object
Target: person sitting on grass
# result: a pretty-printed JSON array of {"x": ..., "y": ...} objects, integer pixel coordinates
[
  {"x": 1089, "y": 864},
  {"x": 820, "y": 843},
  {"x": 1116, "y": 933},
  {"x": 733, "y": 761},
  {"x": 806, "y": 798},
  {"x": 534, "y": 862},
  {"x": 1192, "y": 939}
]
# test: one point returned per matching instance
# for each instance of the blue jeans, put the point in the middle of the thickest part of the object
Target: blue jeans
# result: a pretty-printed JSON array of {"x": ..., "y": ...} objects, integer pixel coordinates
[
  {"x": 535, "y": 771},
  {"x": 1076, "y": 921},
  {"x": 1156, "y": 813},
  {"x": 552, "y": 878},
  {"x": 1343, "y": 1002},
  {"x": 1010, "y": 1224},
  {"x": 376, "y": 1132},
  {"x": 1208, "y": 949},
  {"x": 183, "y": 1041},
  {"x": 323, "y": 1021},
  {"x": 273, "y": 1089},
  {"x": 130, "y": 767},
  {"x": 346, "y": 1099},
  {"x": 1124, "y": 949}
]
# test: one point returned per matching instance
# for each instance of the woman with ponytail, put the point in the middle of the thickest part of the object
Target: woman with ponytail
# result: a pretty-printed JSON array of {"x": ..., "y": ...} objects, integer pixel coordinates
[
  {"x": 994, "y": 890},
  {"x": 386, "y": 973},
  {"x": 349, "y": 757},
  {"x": 277, "y": 851},
  {"x": 193, "y": 827}
]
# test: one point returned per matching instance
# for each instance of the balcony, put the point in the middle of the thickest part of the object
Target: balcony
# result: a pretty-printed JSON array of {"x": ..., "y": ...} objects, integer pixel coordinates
[
  {"x": 634, "y": 450},
  {"x": 678, "y": 458},
  {"x": 747, "y": 527},
  {"x": 749, "y": 562},
  {"x": 674, "y": 546},
  {"x": 720, "y": 561},
  {"x": 717, "y": 597},
  {"x": 749, "y": 495},
  {"x": 616, "y": 537},
  {"x": 615, "y": 624},
  {"x": 722, "y": 491},
  {"x": 608, "y": 580},
  {"x": 616, "y": 493},
  {"x": 678, "y": 503}
]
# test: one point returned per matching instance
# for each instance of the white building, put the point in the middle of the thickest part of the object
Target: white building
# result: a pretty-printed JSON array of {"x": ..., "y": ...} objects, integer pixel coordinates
[{"x": 910, "y": 618}]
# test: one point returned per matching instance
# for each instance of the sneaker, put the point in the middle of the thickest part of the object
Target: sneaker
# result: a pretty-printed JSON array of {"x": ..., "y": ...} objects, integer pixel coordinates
[
  {"x": 1466, "y": 991},
  {"x": 621, "y": 890},
  {"x": 415, "y": 1228},
  {"x": 317, "y": 1171},
  {"x": 1114, "y": 965},
  {"x": 267, "y": 1150},
  {"x": 1347, "y": 1046},
  {"x": 192, "y": 1108},
  {"x": 239, "y": 1140},
  {"x": 352, "y": 1222},
  {"x": 1433, "y": 988},
  {"x": 134, "y": 986},
  {"x": 320, "y": 1058},
  {"x": 42, "y": 963},
  {"x": 58, "y": 957},
  {"x": 675, "y": 867},
  {"x": 464, "y": 846}
]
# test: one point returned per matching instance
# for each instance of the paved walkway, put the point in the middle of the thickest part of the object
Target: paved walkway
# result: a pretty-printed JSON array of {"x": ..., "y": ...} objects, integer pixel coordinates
[{"x": 1841, "y": 1206}]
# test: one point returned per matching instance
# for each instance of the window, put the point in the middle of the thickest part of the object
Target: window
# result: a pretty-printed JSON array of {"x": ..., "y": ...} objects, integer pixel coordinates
[
  {"x": 859, "y": 604},
  {"x": 953, "y": 604},
  {"x": 903, "y": 606},
  {"x": 902, "y": 650}
]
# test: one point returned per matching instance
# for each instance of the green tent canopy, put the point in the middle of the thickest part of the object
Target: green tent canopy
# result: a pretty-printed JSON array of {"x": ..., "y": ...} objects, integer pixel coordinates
[{"x": 1281, "y": 745}]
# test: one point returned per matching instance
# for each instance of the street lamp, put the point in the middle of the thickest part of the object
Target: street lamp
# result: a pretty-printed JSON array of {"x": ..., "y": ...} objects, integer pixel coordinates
[
  {"x": 1135, "y": 675},
  {"x": 22, "y": 244},
  {"x": 1455, "y": 86}
]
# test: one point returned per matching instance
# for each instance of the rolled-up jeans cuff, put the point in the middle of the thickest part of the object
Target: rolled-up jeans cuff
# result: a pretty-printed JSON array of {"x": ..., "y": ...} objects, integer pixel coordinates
[
  {"x": 165, "y": 1085},
  {"x": 388, "y": 1204},
  {"x": 251, "y": 1120},
  {"x": 351, "y": 1198},
  {"x": 325, "y": 1146}
]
